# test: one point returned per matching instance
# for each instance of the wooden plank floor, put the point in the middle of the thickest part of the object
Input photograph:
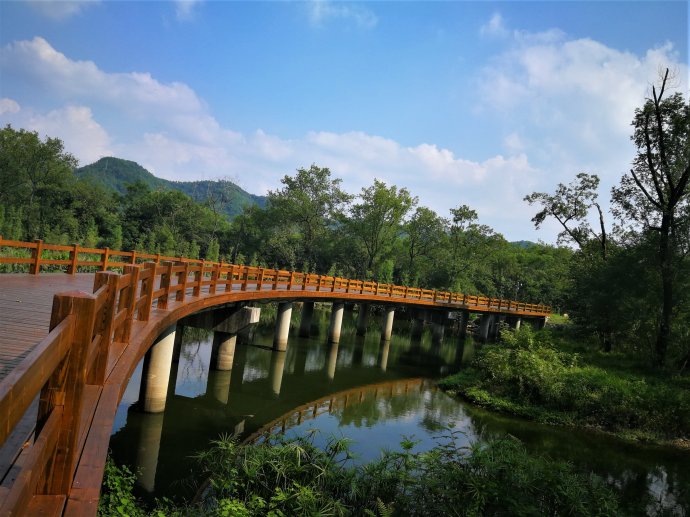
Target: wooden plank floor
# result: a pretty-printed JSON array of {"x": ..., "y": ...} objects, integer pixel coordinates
[{"x": 25, "y": 305}]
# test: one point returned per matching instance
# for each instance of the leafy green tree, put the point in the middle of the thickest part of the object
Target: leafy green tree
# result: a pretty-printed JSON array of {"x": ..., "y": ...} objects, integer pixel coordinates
[
  {"x": 425, "y": 232},
  {"x": 655, "y": 196},
  {"x": 375, "y": 222},
  {"x": 570, "y": 205},
  {"x": 35, "y": 175},
  {"x": 307, "y": 206}
]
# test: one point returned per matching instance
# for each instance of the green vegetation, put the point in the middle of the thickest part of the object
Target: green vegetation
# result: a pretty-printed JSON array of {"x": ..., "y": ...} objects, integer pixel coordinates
[
  {"x": 631, "y": 285},
  {"x": 296, "y": 478},
  {"x": 550, "y": 379}
]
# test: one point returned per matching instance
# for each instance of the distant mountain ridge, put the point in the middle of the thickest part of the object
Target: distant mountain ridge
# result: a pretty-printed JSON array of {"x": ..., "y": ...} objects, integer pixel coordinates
[{"x": 116, "y": 173}]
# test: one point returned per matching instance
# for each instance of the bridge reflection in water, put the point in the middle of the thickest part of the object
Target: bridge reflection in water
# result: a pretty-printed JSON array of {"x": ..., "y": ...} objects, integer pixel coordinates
[{"x": 265, "y": 388}]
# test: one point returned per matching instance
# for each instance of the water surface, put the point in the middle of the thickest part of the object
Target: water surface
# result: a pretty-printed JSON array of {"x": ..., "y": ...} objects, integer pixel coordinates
[{"x": 371, "y": 392}]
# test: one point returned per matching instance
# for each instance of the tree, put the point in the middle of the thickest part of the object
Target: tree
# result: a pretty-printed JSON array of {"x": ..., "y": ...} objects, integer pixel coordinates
[
  {"x": 309, "y": 204},
  {"x": 35, "y": 175},
  {"x": 375, "y": 222},
  {"x": 570, "y": 206},
  {"x": 425, "y": 231},
  {"x": 469, "y": 246},
  {"x": 655, "y": 195}
]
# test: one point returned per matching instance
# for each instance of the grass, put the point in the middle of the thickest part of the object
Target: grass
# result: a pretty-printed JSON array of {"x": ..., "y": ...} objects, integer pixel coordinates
[
  {"x": 293, "y": 477},
  {"x": 551, "y": 379}
]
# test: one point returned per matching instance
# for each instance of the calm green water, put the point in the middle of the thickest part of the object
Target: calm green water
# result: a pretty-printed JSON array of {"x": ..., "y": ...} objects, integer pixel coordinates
[{"x": 368, "y": 391}]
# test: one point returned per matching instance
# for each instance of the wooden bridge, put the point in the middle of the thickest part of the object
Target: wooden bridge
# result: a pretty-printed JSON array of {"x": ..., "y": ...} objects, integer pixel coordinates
[{"x": 75, "y": 326}]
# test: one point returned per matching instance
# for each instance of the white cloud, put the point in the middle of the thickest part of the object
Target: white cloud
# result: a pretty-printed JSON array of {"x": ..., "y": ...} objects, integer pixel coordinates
[
  {"x": 185, "y": 10},
  {"x": 494, "y": 27},
  {"x": 74, "y": 125},
  {"x": 8, "y": 106},
  {"x": 61, "y": 9},
  {"x": 324, "y": 11},
  {"x": 568, "y": 103}
]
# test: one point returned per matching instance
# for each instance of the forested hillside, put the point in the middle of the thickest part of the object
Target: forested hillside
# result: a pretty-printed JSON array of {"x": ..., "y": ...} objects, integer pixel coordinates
[{"x": 115, "y": 174}]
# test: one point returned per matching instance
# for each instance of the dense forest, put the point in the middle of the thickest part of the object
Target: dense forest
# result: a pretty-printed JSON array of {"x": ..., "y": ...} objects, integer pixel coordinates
[{"x": 626, "y": 280}]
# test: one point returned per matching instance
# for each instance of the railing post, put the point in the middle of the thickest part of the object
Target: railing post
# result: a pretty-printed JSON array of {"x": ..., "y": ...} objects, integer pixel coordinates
[
  {"x": 260, "y": 279},
  {"x": 104, "y": 324},
  {"x": 166, "y": 280},
  {"x": 106, "y": 257},
  {"x": 147, "y": 292},
  {"x": 134, "y": 257},
  {"x": 275, "y": 279},
  {"x": 291, "y": 281},
  {"x": 215, "y": 274},
  {"x": 35, "y": 267},
  {"x": 130, "y": 301},
  {"x": 182, "y": 277},
  {"x": 435, "y": 294},
  {"x": 199, "y": 279},
  {"x": 244, "y": 277},
  {"x": 74, "y": 259},
  {"x": 318, "y": 285},
  {"x": 305, "y": 277},
  {"x": 65, "y": 389}
]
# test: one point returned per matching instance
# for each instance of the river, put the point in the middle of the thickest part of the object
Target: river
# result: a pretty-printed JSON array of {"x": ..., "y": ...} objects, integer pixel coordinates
[{"x": 371, "y": 392}]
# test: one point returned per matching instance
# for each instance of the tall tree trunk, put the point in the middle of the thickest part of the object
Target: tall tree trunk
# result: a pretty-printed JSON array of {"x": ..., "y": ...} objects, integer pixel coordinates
[{"x": 665, "y": 262}]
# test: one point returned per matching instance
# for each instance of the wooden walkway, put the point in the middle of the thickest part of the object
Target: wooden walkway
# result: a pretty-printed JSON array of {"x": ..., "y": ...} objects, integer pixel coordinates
[{"x": 25, "y": 306}]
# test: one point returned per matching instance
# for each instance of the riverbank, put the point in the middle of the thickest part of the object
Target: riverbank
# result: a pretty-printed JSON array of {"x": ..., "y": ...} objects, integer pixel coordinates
[{"x": 550, "y": 378}]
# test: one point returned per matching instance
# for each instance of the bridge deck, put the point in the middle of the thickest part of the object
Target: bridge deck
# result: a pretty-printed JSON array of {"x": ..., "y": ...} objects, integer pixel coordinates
[{"x": 25, "y": 306}]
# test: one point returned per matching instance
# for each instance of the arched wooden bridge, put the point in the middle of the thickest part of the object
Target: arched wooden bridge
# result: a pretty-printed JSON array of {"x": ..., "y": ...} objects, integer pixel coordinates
[{"x": 73, "y": 340}]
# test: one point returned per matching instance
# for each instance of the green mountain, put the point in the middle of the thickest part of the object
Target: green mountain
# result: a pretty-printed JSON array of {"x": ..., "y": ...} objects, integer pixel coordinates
[
  {"x": 115, "y": 174},
  {"x": 523, "y": 244}
]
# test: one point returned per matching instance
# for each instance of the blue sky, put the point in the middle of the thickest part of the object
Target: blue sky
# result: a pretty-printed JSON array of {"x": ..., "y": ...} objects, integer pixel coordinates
[{"x": 476, "y": 103}]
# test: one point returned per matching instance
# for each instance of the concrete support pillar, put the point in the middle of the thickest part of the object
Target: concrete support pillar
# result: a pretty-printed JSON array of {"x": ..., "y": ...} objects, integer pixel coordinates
[
  {"x": 495, "y": 330},
  {"x": 150, "y": 431},
  {"x": 177, "y": 347},
  {"x": 332, "y": 360},
  {"x": 387, "y": 327},
  {"x": 362, "y": 319},
  {"x": 276, "y": 371},
  {"x": 383, "y": 355},
  {"x": 541, "y": 323},
  {"x": 336, "y": 322},
  {"x": 280, "y": 339},
  {"x": 223, "y": 351},
  {"x": 156, "y": 373},
  {"x": 305, "y": 322},
  {"x": 463, "y": 318},
  {"x": 514, "y": 322},
  {"x": 485, "y": 326}
]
